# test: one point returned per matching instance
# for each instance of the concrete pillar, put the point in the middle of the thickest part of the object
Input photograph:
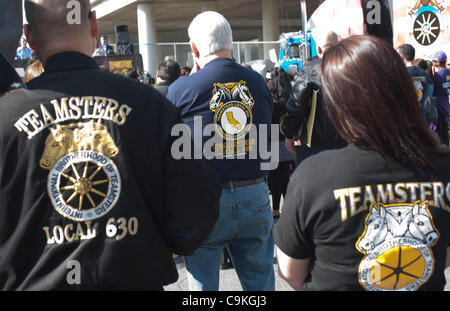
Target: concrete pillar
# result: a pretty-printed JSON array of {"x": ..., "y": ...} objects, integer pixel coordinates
[
  {"x": 209, "y": 6},
  {"x": 260, "y": 46},
  {"x": 248, "y": 53},
  {"x": 147, "y": 38},
  {"x": 271, "y": 23}
]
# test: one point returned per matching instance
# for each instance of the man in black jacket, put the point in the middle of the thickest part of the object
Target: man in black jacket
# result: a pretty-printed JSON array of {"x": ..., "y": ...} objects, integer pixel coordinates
[
  {"x": 324, "y": 135},
  {"x": 90, "y": 195},
  {"x": 168, "y": 72}
]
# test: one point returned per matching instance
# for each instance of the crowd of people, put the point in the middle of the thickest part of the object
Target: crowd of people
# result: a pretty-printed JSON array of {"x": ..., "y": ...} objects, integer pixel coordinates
[
  {"x": 168, "y": 71},
  {"x": 91, "y": 172}
]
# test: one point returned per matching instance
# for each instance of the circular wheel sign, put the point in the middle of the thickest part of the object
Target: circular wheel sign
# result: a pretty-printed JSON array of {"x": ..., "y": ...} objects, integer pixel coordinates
[{"x": 426, "y": 28}]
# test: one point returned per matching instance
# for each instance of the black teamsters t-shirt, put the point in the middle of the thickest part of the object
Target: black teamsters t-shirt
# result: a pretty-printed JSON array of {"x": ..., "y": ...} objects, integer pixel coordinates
[{"x": 367, "y": 224}]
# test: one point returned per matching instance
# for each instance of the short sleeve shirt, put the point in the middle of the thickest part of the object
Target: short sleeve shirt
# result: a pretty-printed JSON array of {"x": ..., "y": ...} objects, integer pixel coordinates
[
  {"x": 442, "y": 90},
  {"x": 421, "y": 82},
  {"x": 225, "y": 101},
  {"x": 367, "y": 224},
  {"x": 23, "y": 53}
]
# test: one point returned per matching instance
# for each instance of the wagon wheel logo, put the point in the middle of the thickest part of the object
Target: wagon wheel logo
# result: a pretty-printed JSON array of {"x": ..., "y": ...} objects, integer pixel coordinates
[
  {"x": 85, "y": 185},
  {"x": 397, "y": 268},
  {"x": 397, "y": 242},
  {"x": 426, "y": 28},
  {"x": 83, "y": 182}
]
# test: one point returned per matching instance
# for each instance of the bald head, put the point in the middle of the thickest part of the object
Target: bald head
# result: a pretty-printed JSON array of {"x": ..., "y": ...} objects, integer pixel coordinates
[
  {"x": 60, "y": 25},
  {"x": 50, "y": 18}
]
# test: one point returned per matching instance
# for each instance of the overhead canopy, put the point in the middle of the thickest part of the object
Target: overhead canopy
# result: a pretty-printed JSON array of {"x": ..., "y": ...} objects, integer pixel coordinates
[{"x": 172, "y": 17}]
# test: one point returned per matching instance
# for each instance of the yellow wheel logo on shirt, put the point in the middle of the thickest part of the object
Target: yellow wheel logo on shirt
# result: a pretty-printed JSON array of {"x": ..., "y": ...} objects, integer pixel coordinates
[
  {"x": 83, "y": 182},
  {"x": 233, "y": 120},
  {"x": 398, "y": 267},
  {"x": 232, "y": 105},
  {"x": 397, "y": 243}
]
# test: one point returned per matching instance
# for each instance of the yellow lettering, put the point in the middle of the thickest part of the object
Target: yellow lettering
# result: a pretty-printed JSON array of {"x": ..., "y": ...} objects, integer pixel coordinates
[
  {"x": 341, "y": 195},
  {"x": 99, "y": 107},
  {"x": 58, "y": 234},
  {"x": 447, "y": 194},
  {"x": 50, "y": 240},
  {"x": 412, "y": 187},
  {"x": 124, "y": 110},
  {"x": 87, "y": 102},
  {"x": 385, "y": 196},
  {"x": 48, "y": 118},
  {"x": 122, "y": 226},
  {"x": 400, "y": 191},
  {"x": 75, "y": 110},
  {"x": 90, "y": 232},
  {"x": 67, "y": 230},
  {"x": 111, "y": 108},
  {"x": 22, "y": 126},
  {"x": 368, "y": 197},
  {"x": 438, "y": 198},
  {"x": 61, "y": 110},
  {"x": 354, "y": 199},
  {"x": 80, "y": 232},
  {"x": 424, "y": 192}
]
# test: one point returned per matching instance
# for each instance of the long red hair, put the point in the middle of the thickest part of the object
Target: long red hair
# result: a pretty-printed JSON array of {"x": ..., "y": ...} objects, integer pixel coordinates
[{"x": 371, "y": 100}]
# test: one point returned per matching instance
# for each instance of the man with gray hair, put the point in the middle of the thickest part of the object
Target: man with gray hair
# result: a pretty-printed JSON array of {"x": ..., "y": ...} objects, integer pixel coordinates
[
  {"x": 229, "y": 100},
  {"x": 91, "y": 197}
]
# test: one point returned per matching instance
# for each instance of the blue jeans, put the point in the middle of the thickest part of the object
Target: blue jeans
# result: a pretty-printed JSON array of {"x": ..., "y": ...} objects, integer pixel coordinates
[{"x": 245, "y": 227}]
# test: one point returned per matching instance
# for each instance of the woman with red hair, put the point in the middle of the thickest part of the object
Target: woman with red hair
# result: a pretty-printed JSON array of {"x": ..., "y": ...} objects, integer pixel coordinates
[{"x": 374, "y": 215}]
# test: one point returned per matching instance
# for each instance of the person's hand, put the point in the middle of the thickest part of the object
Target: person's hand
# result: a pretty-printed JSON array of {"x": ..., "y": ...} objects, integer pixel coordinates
[
  {"x": 289, "y": 143},
  {"x": 196, "y": 66}
]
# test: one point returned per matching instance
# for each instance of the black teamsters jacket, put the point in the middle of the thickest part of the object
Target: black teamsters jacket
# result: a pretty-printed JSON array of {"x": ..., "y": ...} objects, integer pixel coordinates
[
  {"x": 88, "y": 182},
  {"x": 298, "y": 107}
]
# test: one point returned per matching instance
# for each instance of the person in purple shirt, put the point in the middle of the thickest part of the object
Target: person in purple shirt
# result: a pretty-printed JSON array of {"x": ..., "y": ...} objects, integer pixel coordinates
[{"x": 442, "y": 91}]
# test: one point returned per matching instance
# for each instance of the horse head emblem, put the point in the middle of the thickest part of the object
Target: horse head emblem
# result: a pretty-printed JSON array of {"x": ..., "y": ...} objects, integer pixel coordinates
[
  {"x": 58, "y": 143},
  {"x": 220, "y": 95},
  {"x": 242, "y": 93},
  {"x": 376, "y": 230},
  {"x": 396, "y": 243},
  {"x": 421, "y": 226},
  {"x": 84, "y": 136},
  {"x": 95, "y": 136},
  {"x": 412, "y": 221}
]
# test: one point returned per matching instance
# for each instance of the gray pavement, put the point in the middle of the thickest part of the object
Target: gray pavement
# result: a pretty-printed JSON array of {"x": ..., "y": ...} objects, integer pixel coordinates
[{"x": 230, "y": 282}]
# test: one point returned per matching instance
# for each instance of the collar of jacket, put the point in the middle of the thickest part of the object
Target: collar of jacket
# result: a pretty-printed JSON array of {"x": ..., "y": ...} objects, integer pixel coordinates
[
  {"x": 219, "y": 60},
  {"x": 68, "y": 61},
  {"x": 163, "y": 83}
]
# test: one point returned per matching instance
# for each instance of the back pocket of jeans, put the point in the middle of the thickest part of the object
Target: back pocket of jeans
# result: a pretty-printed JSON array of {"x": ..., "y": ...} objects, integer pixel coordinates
[{"x": 263, "y": 214}]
